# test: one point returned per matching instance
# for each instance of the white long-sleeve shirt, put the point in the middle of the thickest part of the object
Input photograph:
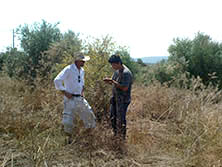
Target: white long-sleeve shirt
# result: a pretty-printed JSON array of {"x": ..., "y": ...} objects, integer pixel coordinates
[{"x": 68, "y": 79}]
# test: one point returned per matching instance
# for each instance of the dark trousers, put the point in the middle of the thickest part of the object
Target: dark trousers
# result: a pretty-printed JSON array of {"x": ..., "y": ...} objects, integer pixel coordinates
[{"x": 118, "y": 118}]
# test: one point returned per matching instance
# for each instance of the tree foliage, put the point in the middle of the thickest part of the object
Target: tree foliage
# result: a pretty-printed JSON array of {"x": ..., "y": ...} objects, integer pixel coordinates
[
  {"x": 2, "y": 60},
  {"x": 203, "y": 57},
  {"x": 14, "y": 63},
  {"x": 60, "y": 53},
  {"x": 140, "y": 61},
  {"x": 35, "y": 40}
]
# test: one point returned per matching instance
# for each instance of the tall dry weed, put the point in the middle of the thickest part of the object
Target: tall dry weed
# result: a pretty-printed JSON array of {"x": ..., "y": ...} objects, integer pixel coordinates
[
  {"x": 166, "y": 127},
  {"x": 184, "y": 122},
  {"x": 31, "y": 119}
]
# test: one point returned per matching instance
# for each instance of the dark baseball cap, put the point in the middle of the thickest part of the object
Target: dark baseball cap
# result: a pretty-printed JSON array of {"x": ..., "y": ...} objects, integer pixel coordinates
[{"x": 115, "y": 59}]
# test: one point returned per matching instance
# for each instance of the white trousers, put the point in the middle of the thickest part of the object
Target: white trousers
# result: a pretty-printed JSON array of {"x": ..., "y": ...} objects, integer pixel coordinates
[{"x": 77, "y": 106}]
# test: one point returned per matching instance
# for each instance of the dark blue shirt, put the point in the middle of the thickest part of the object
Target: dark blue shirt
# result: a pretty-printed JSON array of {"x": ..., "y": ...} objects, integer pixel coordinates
[{"x": 125, "y": 78}]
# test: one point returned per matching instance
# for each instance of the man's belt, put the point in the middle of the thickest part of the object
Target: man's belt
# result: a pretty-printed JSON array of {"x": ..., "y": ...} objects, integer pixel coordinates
[{"x": 76, "y": 95}]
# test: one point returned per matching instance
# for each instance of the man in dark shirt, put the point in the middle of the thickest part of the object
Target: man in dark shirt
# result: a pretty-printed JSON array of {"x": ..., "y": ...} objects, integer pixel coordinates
[{"x": 122, "y": 82}]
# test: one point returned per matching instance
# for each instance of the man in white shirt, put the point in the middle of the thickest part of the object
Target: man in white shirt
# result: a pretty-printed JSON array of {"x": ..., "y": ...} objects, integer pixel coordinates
[{"x": 70, "y": 81}]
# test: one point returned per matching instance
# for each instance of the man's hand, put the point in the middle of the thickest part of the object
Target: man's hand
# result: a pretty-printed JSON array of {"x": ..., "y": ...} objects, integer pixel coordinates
[
  {"x": 116, "y": 84},
  {"x": 108, "y": 80},
  {"x": 67, "y": 94}
]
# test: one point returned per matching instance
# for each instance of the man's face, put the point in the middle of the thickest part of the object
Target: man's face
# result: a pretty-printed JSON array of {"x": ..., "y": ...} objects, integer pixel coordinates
[
  {"x": 80, "y": 63},
  {"x": 115, "y": 66}
]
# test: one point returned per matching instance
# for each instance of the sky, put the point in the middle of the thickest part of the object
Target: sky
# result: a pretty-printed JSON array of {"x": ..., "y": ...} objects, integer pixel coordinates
[{"x": 146, "y": 27}]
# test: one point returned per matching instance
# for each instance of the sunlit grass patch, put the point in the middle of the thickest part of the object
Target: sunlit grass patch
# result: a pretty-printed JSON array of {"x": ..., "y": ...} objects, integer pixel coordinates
[{"x": 178, "y": 127}]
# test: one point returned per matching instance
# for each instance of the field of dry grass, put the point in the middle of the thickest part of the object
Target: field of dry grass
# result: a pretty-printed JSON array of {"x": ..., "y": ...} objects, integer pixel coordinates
[{"x": 167, "y": 127}]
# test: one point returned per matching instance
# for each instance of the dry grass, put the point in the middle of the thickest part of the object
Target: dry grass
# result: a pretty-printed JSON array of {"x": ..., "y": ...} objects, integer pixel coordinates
[{"x": 166, "y": 127}]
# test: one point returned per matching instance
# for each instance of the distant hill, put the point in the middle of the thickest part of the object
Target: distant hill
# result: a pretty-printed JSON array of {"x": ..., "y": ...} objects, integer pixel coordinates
[{"x": 152, "y": 60}]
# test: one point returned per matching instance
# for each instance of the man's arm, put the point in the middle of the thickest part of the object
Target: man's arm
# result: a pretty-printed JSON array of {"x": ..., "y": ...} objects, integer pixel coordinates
[
  {"x": 126, "y": 80},
  {"x": 118, "y": 85},
  {"x": 58, "y": 81},
  {"x": 121, "y": 87},
  {"x": 67, "y": 94},
  {"x": 82, "y": 93}
]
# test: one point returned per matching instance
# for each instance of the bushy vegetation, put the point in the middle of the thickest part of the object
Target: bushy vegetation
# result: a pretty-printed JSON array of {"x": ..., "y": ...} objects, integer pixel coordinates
[
  {"x": 201, "y": 57},
  {"x": 174, "y": 118}
]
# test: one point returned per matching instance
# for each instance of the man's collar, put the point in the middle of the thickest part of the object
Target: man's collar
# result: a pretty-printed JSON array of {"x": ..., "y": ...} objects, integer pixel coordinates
[
  {"x": 75, "y": 67},
  {"x": 121, "y": 70}
]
